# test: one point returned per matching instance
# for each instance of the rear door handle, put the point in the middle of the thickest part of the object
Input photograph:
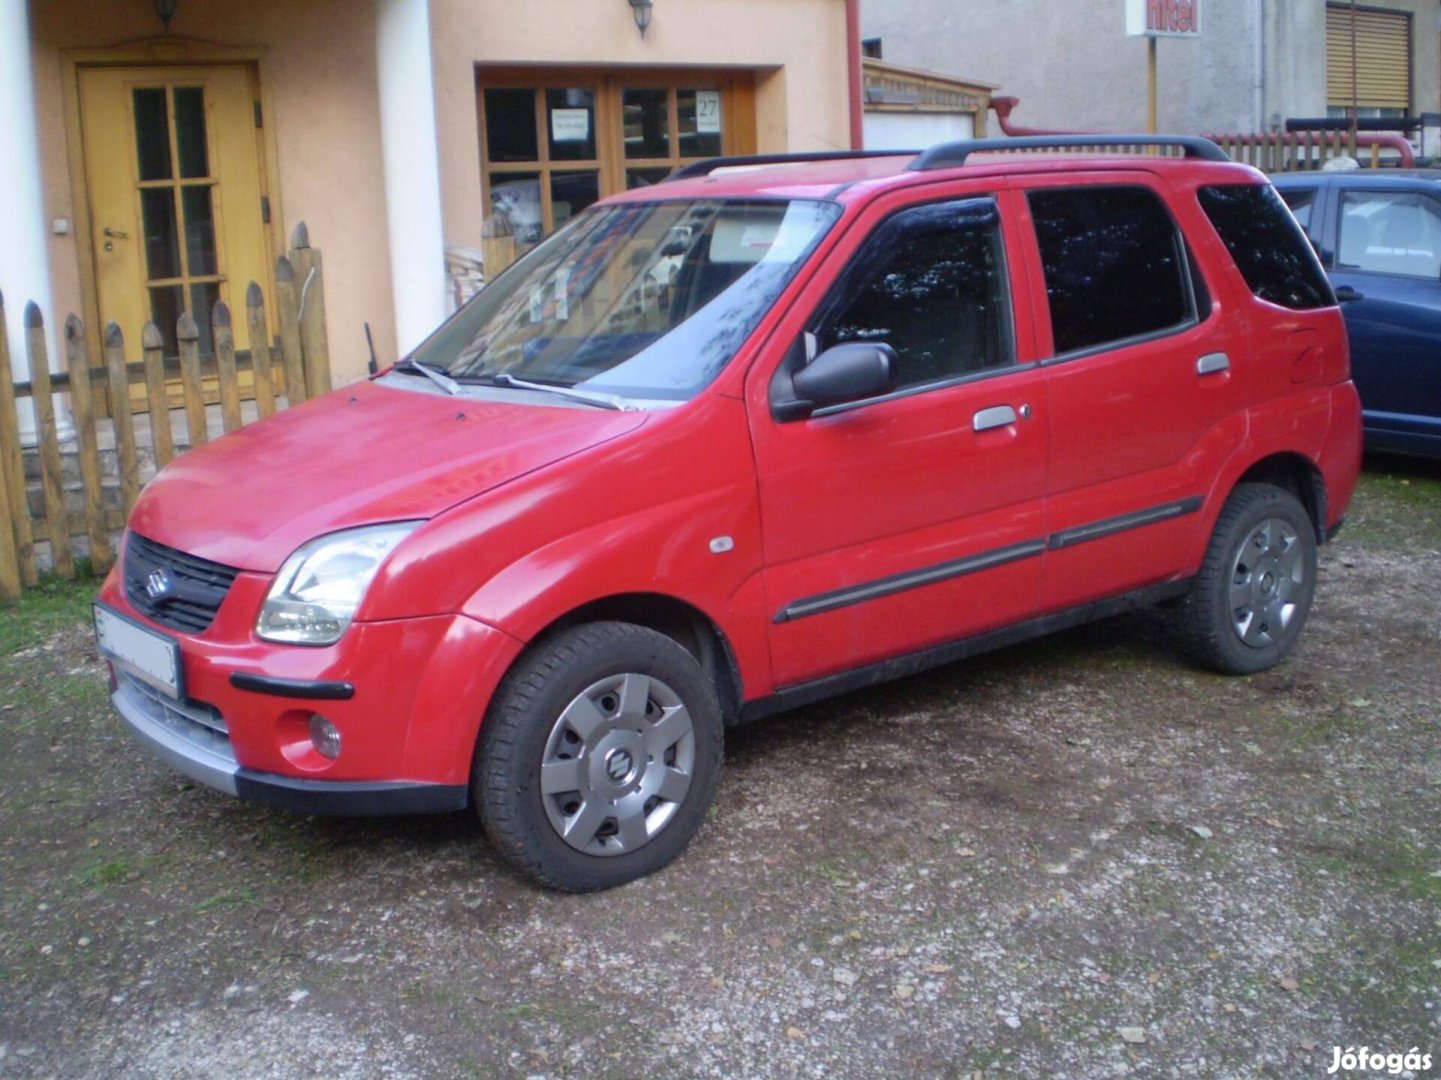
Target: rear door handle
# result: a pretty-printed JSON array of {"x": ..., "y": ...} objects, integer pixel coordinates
[
  {"x": 994, "y": 417},
  {"x": 1212, "y": 363}
]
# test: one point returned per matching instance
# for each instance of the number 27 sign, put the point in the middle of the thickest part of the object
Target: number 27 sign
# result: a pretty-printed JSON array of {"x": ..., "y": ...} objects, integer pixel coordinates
[{"x": 708, "y": 112}]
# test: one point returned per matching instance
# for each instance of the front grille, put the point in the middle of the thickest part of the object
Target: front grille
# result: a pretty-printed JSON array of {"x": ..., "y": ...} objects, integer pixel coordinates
[
  {"x": 194, "y": 721},
  {"x": 196, "y": 586}
]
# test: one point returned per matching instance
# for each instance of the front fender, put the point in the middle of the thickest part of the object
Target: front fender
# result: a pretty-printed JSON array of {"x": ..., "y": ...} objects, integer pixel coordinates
[{"x": 703, "y": 550}]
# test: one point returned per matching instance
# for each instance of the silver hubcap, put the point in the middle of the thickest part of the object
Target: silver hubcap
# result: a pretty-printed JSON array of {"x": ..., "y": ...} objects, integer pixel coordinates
[
  {"x": 1267, "y": 580},
  {"x": 618, "y": 764}
]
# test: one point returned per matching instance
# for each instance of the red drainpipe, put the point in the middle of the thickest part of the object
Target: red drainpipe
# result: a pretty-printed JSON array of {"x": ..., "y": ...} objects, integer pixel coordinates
[
  {"x": 1002, "y": 107},
  {"x": 853, "y": 72}
]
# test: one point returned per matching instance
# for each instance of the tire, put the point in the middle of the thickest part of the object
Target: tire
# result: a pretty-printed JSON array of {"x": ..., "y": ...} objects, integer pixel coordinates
[
  {"x": 598, "y": 757},
  {"x": 1246, "y": 607}
]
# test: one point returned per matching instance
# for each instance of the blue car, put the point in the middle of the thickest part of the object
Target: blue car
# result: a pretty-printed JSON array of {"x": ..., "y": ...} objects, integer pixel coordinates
[{"x": 1379, "y": 237}]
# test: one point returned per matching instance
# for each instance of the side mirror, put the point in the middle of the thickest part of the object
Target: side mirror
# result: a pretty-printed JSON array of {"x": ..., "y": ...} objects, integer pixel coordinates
[{"x": 842, "y": 373}]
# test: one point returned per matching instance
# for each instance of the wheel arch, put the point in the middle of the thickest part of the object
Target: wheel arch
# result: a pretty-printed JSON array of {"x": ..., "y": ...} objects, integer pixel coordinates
[
  {"x": 1298, "y": 475},
  {"x": 688, "y": 626}
]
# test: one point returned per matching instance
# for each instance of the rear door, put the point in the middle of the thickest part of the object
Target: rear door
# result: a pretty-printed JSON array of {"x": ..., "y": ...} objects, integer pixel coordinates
[
  {"x": 1146, "y": 384},
  {"x": 916, "y": 517}
]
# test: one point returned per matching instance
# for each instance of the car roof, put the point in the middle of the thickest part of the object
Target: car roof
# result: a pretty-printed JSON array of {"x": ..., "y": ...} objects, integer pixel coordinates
[{"x": 854, "y": 177}]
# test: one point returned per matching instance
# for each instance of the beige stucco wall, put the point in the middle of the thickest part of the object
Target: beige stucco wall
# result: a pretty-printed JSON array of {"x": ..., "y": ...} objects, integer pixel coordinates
[
  {"x": 797, "y": 47},
  {"x": 318, "y": 76}
]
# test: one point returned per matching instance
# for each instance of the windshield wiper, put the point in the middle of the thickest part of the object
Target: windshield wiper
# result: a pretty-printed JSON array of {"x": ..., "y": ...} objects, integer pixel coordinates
[
  {"x": 442, "y": 380},
  {"x": 590, "y": 397}
]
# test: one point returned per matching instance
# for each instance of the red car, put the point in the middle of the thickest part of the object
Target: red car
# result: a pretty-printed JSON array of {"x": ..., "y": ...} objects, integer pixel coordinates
[{"x": 770, "y": 431}]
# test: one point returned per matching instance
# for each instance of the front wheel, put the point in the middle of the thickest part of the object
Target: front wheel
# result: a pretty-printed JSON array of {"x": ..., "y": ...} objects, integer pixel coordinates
[
  {"x": 599, "y": 756},
  {"x": 1247, "y": 605}
]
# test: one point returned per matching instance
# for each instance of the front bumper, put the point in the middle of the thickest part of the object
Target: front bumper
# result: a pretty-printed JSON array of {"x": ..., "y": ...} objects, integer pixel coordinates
[
  {"x": 407, "y": 696},
  {"x": 194, "y": 749}
]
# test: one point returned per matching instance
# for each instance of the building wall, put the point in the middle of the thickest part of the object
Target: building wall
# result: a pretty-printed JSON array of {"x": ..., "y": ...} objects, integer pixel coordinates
[
  {"x": 319, "y": 77},
  {"x": 797, "y": 48},
  {"x": 1072, "y": 65},
  {"x": 318, "y": 74}
]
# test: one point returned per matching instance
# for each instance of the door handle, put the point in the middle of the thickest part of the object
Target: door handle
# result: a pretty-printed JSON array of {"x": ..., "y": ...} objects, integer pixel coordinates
[
  {"x": 1212, "y": 363},
  {"x": 1345, "y": 294},
  {"x": 994, "y": 417},
  {"x": 118, "y": 234}
]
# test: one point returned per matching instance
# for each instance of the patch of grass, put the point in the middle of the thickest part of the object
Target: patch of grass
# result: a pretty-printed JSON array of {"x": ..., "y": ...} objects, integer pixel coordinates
[
  {"x": 109, "y": 872},
  {"x": 831, "y": 870},
  {"x": 230, "y": 899},
  {"x": 1394, "y": 861},
  {"x": 1397, "y": 504},
  {"x": 55, "y": 604}
]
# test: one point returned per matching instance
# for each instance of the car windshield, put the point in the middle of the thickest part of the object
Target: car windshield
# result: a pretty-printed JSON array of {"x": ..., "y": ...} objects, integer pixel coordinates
[{"x": 642, "y": 301}]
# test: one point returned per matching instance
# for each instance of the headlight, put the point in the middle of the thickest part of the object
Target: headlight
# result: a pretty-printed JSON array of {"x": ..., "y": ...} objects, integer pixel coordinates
[{"x": 319, "y": 587}]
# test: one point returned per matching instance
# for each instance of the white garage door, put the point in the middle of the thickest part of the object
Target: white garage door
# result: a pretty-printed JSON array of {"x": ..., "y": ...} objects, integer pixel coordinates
[{"x": 915, "y": 131}]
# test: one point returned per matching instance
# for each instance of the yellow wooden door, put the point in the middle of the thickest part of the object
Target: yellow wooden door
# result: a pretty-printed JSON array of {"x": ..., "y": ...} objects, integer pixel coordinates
[{"x": 177, "y": 196}]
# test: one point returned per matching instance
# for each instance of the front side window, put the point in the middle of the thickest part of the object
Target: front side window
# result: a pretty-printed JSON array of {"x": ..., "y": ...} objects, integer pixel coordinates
[
  {"x": 1114, "y": 264},
  {"x": 1390, "y": 232},
  {"x": 1273, "y": 255},
  {"x": 642, "y": 301},
  {"x": 930, "y": 283}
]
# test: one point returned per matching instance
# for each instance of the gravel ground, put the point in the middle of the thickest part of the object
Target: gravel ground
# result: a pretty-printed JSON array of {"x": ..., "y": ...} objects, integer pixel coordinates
[{"x": 1078, "y": 858}]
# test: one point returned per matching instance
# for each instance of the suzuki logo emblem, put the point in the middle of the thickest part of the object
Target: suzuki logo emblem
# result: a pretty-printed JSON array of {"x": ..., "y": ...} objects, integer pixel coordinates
[
  {"x": 618, "y": 766},
  {"x": 158, "y": 585}
]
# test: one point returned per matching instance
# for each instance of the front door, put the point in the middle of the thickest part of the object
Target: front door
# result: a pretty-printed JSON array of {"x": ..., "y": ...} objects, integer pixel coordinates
[
  {"x": 914, "y": 518},
  {"x": 1388, "y": 274},
  {"x": 177, "y": 198}
]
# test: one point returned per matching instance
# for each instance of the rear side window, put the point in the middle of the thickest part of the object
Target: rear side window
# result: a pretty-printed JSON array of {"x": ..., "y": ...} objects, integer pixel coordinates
[
  {"x": 1272, "y": 254},
  {"x": 1114, "y": 264}
]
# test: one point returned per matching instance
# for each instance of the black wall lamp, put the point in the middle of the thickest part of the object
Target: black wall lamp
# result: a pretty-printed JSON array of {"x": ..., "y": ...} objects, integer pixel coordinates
[
  {"x": 165, "y": 9},
  {"x": 639, "y": 8}
]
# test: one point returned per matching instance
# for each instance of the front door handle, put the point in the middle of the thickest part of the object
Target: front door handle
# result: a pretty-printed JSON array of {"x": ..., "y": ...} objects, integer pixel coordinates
[
  {"x": 994, "y": 417},
  {"x": 1212, "y": 363},
  {"x": 1346, "y": 295},
  {"x": 118, "y": 234}
]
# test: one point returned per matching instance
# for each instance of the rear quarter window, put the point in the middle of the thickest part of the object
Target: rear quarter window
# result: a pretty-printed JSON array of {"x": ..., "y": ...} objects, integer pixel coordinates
[{"x": 1268, "y": 247}]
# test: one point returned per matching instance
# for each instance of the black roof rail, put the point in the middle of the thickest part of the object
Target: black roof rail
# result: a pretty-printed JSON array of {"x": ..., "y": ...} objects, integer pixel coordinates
[
  {"x": 710, "y": 165},
  {"x": 951, "y": 154}
]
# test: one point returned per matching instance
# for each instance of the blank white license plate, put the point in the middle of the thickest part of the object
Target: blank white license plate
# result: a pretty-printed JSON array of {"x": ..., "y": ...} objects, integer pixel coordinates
[{"x": 151, "y": 657}]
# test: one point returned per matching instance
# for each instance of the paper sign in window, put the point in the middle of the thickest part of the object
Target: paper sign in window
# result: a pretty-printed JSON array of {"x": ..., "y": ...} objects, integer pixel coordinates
[{"x": 570, "y": 125}]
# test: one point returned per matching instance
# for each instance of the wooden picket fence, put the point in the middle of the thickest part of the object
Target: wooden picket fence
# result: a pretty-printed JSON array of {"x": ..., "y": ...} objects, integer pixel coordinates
[
  {"x": 77, "y": 507},
  {"x": 1300, "y": 151}
]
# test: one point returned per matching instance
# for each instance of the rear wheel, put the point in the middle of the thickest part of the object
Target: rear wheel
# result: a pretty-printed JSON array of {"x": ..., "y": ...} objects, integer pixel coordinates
[
  {"x": 599, "y": 756},
  {"x": 1247, "y": 605}
]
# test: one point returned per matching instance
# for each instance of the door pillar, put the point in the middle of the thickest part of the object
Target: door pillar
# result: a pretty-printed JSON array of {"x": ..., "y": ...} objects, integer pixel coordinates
[{"x": 410, "y": 152}]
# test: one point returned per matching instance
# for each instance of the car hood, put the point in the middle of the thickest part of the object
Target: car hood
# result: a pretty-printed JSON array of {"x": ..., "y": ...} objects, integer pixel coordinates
[{"x": 357, "y": 456}]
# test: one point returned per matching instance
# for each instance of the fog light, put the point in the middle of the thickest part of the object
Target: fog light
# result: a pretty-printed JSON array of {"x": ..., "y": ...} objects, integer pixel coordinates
[{"x": 324, "y": 736}]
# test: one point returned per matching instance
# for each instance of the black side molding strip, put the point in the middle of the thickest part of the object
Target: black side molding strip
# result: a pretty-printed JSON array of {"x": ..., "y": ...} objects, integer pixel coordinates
[
  {"x": 929, "y": 575},
  {"x": 911, "y": 579},
  {"x": 1110, "y": 526},
  {"x": 792, "y": 697},
  {"x": 307, "y": 689}
]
